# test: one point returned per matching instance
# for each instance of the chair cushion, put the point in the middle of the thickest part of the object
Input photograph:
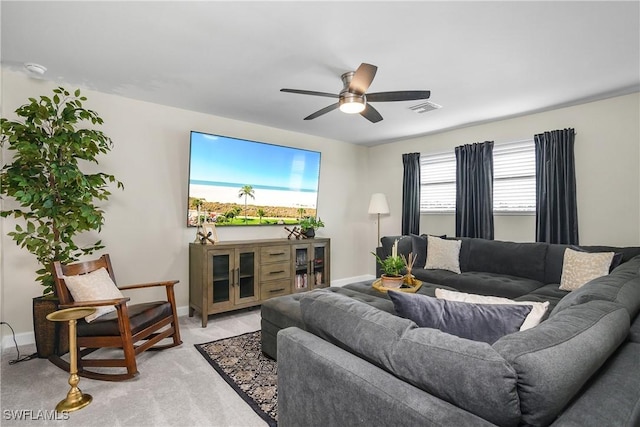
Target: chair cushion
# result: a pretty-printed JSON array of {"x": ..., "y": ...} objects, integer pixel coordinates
[
  {"x": 140, "y": 317},
  {"x": 94, "y": 286}
]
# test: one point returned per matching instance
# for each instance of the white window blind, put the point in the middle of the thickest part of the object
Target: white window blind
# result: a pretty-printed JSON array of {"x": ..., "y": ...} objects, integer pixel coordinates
[
  {"x": 514, "y": 179},
  {"x": 438, "y": 182}
]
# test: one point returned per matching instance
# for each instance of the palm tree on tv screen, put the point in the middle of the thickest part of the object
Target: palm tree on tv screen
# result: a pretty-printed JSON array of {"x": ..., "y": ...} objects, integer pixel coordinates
[{"x": 245, "y": 191}]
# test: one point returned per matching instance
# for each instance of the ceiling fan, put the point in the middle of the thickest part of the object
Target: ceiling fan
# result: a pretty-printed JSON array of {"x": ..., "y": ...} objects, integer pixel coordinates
[{"x": 353, "y": 97}]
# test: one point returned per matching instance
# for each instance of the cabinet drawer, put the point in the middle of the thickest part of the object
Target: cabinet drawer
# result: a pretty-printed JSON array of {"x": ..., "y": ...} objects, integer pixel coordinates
[
  {"x": 275, "y": 254},
  {"x": 279, "y": 270},
  {"x": 275, "y": 289}
]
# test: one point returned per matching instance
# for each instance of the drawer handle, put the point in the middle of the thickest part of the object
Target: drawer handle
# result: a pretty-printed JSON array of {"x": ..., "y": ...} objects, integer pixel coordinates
[
  {"x": 276, "y": 272},
  {"x": 276, "y": 290},
  {"x": 276, "y": 253}
]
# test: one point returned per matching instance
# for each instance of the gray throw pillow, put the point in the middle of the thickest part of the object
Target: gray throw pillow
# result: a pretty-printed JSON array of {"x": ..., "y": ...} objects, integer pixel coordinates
[{"x": 478, "y": 322}]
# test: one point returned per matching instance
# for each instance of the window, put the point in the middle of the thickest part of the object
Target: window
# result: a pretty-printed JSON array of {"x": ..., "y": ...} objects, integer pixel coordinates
[
  {"x": 438, "y": 183},
  {"x": 514, "y": 179}
]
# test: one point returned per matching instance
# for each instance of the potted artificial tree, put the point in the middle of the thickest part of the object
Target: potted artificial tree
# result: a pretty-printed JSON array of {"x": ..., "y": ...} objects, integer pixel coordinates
[
  {"x": 309, "y": 225},
  {"x": 55, "y": 200}
]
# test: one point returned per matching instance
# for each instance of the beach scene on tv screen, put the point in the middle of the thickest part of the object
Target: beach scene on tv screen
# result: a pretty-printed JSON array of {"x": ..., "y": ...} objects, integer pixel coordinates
[{"x": 239, "y": 182}]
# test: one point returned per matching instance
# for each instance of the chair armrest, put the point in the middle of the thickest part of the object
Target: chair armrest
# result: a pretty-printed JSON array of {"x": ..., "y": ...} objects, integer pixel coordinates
[
  {"x": 96, "y": 303},
  {"x": 148, "y": 285}
]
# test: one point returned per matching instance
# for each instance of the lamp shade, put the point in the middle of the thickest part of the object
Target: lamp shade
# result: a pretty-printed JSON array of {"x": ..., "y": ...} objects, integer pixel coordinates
[{"x": 378, "y": 204}]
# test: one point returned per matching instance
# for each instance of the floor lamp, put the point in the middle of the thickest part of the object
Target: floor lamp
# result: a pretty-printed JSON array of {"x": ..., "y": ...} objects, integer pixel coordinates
[{"x": 378, "y": 205}]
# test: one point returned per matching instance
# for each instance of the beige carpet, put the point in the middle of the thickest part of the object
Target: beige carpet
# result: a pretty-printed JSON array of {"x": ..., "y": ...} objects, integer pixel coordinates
[{"x": 176, "y": 387}]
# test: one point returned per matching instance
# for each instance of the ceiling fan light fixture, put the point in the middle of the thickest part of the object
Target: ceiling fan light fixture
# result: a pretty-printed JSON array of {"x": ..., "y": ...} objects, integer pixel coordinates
[{"x": 352, "y": 104}]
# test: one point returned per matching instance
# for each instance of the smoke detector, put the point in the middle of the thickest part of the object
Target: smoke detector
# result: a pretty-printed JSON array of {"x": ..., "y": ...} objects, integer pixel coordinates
[{"x": 35, "y": 70}]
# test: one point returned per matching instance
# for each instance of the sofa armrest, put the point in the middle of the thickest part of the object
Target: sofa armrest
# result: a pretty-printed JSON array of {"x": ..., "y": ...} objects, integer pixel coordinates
[{"x": 320, "y": 384}]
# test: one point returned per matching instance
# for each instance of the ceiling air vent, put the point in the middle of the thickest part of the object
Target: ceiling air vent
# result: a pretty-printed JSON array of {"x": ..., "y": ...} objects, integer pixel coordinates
[{"x": 425, "y": 106}]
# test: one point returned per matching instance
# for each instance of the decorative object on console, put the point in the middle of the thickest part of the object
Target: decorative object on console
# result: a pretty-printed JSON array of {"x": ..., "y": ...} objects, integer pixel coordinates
[
  {"x": 443, "y": 254},
  {"x": 377, "y": 206},
  {"x": 309, "y": 225},
  {"x": 579, "y": 267},
  {"x": 208, "y": 235},
  {"x": 478, "y": 322}
]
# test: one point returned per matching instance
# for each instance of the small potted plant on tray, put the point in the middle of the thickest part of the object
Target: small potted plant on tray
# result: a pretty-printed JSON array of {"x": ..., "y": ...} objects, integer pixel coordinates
[{"x": 392, "y": 267}]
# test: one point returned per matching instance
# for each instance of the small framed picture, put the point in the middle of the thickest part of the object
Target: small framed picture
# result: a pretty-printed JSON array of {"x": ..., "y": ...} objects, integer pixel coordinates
[{"x": 210, "y": 235}]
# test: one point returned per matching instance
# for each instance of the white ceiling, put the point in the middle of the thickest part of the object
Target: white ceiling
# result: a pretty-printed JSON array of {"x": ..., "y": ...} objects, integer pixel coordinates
[{"x": 481, "y": 60}]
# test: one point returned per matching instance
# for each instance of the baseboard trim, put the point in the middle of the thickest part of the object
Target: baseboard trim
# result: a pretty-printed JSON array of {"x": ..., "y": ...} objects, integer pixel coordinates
[
  {"x": 342, "y": 282},
  {"x": 27, "y": 338}
]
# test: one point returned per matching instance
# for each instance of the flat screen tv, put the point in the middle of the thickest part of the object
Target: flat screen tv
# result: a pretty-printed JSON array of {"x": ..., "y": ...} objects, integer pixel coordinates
[{"x": 240, "y": 182}]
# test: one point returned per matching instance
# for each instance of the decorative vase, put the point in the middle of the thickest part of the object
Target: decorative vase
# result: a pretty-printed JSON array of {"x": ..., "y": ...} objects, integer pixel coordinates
[{"x": 391, "y": 282}]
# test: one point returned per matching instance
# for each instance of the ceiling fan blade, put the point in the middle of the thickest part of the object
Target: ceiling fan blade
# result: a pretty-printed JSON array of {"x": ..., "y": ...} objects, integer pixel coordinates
[
  {"x": 371, "y": 114},
  {"x": 310, "y": 92},
  {"x": 325, "y": 110},
  {"x": 402, "y": 95},
  {"x": 362, "y": 78}
]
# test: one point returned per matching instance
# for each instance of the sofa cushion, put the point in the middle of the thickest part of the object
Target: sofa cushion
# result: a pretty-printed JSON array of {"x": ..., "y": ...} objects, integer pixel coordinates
[
  {"x": 622, "y": 286},
  {"x": 500, "y": 285},
  {"x": 468, "y": 374},
  {"x": 478, "y": 322},
  {"x": 419, "y": 248},
  {"x": 432, "y": 276},
  {"x": 634, "y": 331},
  {"x": 524, "y": 260},
  {"x": 555, "y": 359},
  {"x": 555, "y": 257},
  {"x": 405, "y": 245},
  {"x": 443, "y": 254},
  {"x": 580, "y": 267},
  {"x": 538, "y": 309},
  {"x": 612, "y": 397}
]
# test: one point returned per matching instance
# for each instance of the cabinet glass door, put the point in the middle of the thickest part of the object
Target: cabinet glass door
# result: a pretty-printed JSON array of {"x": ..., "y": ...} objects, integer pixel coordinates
[
  {"x": 302, "y": 268},
  {"x": 246, "y": 277},
  {"x": 319, "y": 258},
  {"x": 221, "y": 263}
]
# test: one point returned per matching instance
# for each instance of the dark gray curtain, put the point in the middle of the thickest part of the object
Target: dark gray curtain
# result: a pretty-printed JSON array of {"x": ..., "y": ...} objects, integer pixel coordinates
[
  {"x": 556, "y": 204},
  {"x": 411, "y": 194},
  {"x": 474, "y": 190}
]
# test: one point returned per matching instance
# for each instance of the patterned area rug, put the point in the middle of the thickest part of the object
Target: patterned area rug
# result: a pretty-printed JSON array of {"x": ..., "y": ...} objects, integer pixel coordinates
[{"x": 239, "y": 360}]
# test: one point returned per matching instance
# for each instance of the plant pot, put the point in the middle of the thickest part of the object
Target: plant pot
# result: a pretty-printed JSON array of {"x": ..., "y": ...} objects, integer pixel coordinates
[
  {"x": 51, "y": 337},
  {"x": 310, "y": 233},
  {"x": 391, "y": 282}
]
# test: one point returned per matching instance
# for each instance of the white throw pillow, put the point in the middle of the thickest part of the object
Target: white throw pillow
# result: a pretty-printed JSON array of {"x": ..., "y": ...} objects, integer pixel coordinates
[
  {"x": 94, "y": 286},
  {"x": 443, "y": 254},
  {"x": 578, "y": 268},
  {"x": 533, "y": 318}
]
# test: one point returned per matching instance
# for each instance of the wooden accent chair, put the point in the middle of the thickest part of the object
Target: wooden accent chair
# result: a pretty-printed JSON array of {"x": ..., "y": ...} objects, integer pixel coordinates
[{"x": 132, "y": 328}]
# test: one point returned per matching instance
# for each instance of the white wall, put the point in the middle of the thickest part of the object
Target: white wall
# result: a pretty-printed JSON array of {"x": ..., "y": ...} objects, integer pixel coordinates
[
  {"x": 145, "y": 231},
  {"x": 607, "y": 154}
]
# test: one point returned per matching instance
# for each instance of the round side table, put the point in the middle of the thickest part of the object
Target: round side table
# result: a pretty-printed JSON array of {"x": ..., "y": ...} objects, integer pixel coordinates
[{"x": 75, "y": 399}]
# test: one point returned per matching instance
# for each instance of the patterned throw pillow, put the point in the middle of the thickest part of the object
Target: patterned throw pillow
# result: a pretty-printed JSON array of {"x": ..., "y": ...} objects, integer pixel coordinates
[
  {"x": 443, "y": 254},
  {"x": 579, "y": 268},
  {"x": 94, "y": 286},
  {"x": 533, "y": 318}
]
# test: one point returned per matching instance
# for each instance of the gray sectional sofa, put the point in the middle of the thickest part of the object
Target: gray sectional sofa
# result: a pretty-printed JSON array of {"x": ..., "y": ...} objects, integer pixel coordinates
[{"x": 346, "y": 358}]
